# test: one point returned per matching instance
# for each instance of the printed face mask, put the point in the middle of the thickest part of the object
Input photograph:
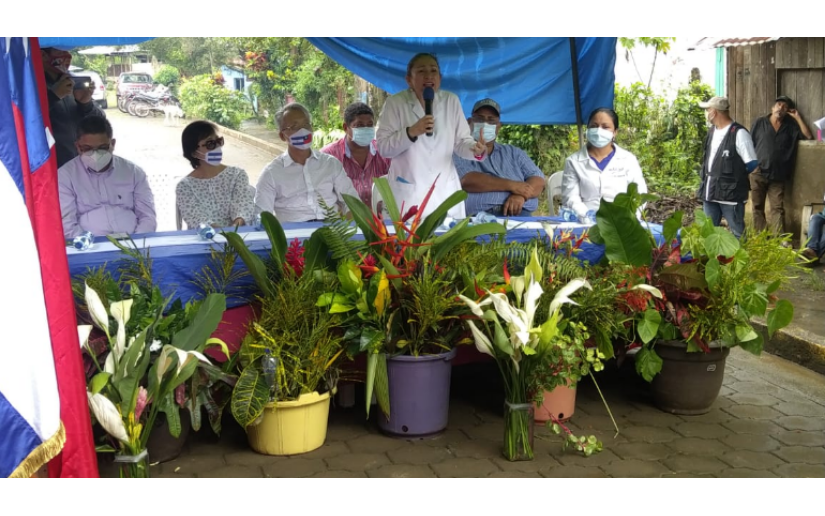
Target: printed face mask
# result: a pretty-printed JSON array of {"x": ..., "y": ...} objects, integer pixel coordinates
[
  {"x": 301, "y": 139},
  {"x": 213, "y": 157}
]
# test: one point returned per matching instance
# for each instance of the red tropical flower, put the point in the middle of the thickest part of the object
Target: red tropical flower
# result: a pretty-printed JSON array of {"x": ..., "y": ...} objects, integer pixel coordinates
[{"x": 295, "y": 256}]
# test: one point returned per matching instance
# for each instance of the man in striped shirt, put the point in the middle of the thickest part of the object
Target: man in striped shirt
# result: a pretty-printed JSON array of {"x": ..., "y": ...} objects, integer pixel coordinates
[
  {"x": 357, "y": 151},
  {"x": 507, "y": 183}
]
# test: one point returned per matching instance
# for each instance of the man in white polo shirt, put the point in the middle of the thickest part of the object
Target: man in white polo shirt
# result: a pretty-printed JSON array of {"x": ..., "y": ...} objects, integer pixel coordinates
[
  {"x": 291, "y": 184},
  {"x": 729, "y": 158}
]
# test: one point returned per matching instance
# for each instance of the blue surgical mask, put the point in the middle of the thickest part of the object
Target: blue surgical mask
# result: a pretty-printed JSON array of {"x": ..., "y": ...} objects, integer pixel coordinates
[
  {"x": 489, "y": 131},
  {"x": 598, "y": 137},
  {"x": 363, "y": 136}
]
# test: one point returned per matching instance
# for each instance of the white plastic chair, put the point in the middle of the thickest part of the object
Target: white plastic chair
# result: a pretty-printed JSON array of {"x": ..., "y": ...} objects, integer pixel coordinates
[{"x": 554, "y": 189}]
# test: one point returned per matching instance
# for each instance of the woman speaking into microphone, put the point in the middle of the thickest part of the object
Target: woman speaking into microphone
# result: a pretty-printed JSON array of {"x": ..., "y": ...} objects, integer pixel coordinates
[{"x": 420, "y": 129}]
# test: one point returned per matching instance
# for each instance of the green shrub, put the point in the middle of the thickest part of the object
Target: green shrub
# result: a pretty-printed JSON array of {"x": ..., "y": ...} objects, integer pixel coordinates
[
  {"x": 168, "y": 76},
  {"x": 202, "y": 97}
]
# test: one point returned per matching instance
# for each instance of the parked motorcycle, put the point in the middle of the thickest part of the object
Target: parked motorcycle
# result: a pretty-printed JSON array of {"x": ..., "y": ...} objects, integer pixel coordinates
[{"x": 144, "y": 104}]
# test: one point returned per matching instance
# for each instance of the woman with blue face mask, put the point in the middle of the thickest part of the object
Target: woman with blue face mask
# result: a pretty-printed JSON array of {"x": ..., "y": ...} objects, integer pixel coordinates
[
  {"x": 601, "y": 169},
  {"x": 213, "y": 193}
]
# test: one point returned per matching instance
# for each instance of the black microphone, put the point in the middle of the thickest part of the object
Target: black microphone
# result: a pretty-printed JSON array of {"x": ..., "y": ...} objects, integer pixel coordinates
[{"x": 429, "y": 95}]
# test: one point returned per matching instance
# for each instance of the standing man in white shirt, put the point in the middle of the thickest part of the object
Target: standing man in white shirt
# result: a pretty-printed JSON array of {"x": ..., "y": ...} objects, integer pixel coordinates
[
  {"x": 292, "y": 183},
  {"x": 729, "y": 158}
]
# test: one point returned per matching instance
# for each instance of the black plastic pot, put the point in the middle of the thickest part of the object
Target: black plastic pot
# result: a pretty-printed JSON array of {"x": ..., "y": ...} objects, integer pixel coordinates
[
  {"x": 161, "y": 445},
  {"x": 689, "y": 383}
]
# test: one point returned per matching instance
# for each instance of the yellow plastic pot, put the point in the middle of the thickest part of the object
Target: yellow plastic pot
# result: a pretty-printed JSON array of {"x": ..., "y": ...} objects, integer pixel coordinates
[{"x": 291, "y": 427}]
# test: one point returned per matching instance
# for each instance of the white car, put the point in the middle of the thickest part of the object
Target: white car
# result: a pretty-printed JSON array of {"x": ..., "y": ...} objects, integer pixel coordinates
[{"x": 99, "y": 95}]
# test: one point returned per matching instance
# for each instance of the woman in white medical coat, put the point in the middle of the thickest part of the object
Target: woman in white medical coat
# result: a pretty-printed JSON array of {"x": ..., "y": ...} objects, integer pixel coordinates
[
  {"x": 417, "y": 159},
  {"x": 602, "y": 169}
]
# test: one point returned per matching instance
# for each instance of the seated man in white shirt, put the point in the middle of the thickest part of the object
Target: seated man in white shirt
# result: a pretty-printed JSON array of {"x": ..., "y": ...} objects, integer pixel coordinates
[
  {"x": 292, "y": 183},
  {"x": 102, "y": 193}
]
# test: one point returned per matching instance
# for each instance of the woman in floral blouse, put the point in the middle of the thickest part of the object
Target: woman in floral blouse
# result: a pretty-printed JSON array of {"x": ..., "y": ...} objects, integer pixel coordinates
[{"x": 212, "y": 193}]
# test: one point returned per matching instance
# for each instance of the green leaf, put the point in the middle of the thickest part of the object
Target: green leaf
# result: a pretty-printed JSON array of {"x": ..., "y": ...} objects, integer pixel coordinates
[
  {"x": 457, "y": 235},
  {"x": 203, "y": 325},
  {"x": 436, "y": 217},
  {"x": 250, "y": 396},
  {"x": 253, "y": 262},
  {"x": 667, "y": 331},
  {"x": 98, "y": 382},
  {"x": 277, "y": 237},
  {"x": 780, "y": 316},
  {"x": 745, "y": 333},
  {"x": 372, "y": 363},
  {"x": 362, "y": 215},
  {"x": 340, "y": 309},
  {"x": 172, "y": 412},
  {"x": 648, "y": 363},
  {"x": 754, "y": 300},
  {"x": 383, "y": 187},
  {"x": 754, "y": 346},
  {"x": 712, "y": 271},
  {"x": 671, "y": 226},
  {"x": 685, "y": 276},
  {"x": 315, "y": 252},
  {"x": 325, "y": 299},
  {"x": 721, "y": 242},
  {"x": 773, "y": 287},
  {"x": 648, "y": 327},
  {"x": 625, "y": 240},
  {"x": 382, "y": 385},
  {"x": 370, "y": 337}
]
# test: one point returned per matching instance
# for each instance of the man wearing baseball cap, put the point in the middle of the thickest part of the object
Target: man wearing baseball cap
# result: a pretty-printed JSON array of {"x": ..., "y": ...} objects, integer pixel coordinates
[
  {"x": 507, "y": 183},
  {"x": 729, "y": 158},
  {"x": 774, "y": 137}
]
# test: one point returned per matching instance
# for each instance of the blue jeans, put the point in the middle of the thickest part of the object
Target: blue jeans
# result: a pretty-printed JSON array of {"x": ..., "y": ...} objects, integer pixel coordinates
[
  {"x": 734, "y": 214},
  {"x": 816, "y": 235}
]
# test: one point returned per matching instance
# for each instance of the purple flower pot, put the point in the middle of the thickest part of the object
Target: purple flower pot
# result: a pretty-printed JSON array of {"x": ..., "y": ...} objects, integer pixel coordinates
[{"x": 419, "y": 395}]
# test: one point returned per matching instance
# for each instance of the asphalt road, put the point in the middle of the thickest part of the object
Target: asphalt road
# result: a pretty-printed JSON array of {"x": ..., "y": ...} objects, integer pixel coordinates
[{"x": 156, "y": 148}]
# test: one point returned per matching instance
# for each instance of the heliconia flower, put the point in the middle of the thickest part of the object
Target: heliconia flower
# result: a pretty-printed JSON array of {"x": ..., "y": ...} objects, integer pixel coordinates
[
  {"x": 142, "y": 401},
  {"x": 506, "y": 273},
  {"x": 410, "y": 214},
  {"x": 96, "y": 309},
  {"x": 108, "y": 416},
  {"x": 369, "y": 267},
  {"x": 83, "y": 333}
]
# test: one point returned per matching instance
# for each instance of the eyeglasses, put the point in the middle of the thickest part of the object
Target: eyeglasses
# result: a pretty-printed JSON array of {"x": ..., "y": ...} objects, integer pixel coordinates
[
  {"x": 211, "y": 144},
  {"x": 85, "y": 148}
]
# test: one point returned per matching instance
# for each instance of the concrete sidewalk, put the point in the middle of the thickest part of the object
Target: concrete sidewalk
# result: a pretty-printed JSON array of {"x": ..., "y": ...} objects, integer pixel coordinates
[{"x": 769, "y": 421}]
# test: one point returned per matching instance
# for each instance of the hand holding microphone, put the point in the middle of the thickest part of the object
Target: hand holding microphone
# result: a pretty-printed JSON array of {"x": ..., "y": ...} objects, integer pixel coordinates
[{"x": 429, "y": 95}]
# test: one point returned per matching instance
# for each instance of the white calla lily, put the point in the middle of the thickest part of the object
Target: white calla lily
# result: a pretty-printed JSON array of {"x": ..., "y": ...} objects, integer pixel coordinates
[
  {"x": 483, "y": 344},
  {"x": 109, "y": 365},
  {"x": 96, "y": 309},
  {"x": 108, "y": 416},
  {"x": 122, "y": 311},
  {"x": 83, "y": 332},
  {"x": 648, "y": 288},
  {"x": 183, "y": 356},
  {"x": 563, "y": 296},
  {"x": 531, "y": 298},
  {"x": 475, "y": 307},
  {"x": 120, "y": 342},
  {"x": 502, "y": 306},
  {"x": 517, "y": 282}
]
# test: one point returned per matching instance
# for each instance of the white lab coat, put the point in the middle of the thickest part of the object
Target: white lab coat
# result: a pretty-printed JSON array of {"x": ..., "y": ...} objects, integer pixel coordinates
[
  {"x": 420, "y": 162},
  {"x": 583, "y": 185}
]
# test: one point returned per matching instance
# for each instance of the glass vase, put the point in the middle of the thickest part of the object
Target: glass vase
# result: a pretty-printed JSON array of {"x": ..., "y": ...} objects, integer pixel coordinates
[
  {"x": 133, "y": 466},
  {"x": 518, "y": 431}
]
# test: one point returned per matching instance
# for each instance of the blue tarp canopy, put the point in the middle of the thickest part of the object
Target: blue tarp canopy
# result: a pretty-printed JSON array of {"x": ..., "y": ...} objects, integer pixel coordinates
[{"x": 531, "y": 78}]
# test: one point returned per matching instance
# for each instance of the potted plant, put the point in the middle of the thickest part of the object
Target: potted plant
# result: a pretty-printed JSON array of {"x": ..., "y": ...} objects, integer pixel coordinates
[
  {"x": 523, "y": 350},
  {"x": 690, "y": 300},
  {"x": 133, "y": 385},
  {"x": 288, "y": 360},
  {"x": 405, "y": 314}
]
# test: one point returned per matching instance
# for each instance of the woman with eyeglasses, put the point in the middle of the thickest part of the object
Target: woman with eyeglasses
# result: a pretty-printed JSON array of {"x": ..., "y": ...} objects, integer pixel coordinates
[{"x": 212, "y": 193}]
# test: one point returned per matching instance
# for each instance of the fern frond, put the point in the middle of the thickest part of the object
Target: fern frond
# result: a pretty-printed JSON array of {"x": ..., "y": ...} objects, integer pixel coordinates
[{"x": 339, "y": 233}]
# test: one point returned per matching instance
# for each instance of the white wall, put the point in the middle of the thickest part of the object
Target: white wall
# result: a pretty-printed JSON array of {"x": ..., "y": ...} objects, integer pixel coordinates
[{"x": 672, "y": 71}]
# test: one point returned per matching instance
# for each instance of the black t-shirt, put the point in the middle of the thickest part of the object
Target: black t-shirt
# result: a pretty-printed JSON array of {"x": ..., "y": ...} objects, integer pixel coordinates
[{"x": 776, "y": 150}]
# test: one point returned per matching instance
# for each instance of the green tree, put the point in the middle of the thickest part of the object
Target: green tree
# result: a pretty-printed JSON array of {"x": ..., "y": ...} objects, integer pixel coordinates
[
  {"x": 191, "y": 56},
  {"x": 659, "y": 45},
  {"x": 204, "y": 97}
]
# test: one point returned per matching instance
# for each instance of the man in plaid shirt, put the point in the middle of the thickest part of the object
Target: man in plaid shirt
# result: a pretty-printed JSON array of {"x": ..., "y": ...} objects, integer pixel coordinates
[{"x": 357, "y": 150}]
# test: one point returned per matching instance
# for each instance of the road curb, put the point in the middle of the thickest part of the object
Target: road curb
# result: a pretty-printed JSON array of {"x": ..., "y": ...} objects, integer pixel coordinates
[
  {"x": 273, "y": 148},
  {"x": 794, "y": 344}
]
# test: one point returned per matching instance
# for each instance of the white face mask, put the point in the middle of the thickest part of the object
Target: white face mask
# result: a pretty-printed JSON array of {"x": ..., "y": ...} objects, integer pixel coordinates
[
  {"x": 363, "y": 136},
  {"x": 301, "y": 139},
  {"x": 598, "y": 137},
  {"x": 96, "y": 160}
]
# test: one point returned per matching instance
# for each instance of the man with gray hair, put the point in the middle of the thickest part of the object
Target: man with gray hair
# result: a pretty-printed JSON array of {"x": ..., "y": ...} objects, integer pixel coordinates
[
  {"x": 292, "y": 183},
  {"x": 729, "y": 158}
]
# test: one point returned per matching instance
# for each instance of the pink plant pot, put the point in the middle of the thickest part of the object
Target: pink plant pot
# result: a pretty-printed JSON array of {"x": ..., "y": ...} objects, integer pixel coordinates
[{"x": 560, "y": 402}]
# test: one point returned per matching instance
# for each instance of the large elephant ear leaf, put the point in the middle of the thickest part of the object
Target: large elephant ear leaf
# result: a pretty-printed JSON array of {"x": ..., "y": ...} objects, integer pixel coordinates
[{"x": 625, "y": 240}]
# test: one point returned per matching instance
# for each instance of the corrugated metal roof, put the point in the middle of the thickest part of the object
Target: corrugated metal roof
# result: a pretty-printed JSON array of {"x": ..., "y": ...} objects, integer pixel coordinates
[{"x": 717, "y": 42}]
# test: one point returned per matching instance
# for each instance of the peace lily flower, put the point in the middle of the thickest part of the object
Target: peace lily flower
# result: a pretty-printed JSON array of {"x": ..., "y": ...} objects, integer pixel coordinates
[
  {"x": 108, "y": 416},
  {"x": 96, "y": 309},
  {"x": 83, "y": 333},
  {"x": 483, "y": 344},
  {"x": 564, "y": 294},
  {"x": 121, "y": 311}
]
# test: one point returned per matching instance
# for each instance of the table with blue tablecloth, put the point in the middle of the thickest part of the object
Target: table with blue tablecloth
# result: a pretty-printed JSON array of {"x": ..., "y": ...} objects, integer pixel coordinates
[{"x": 178, "y": 256}]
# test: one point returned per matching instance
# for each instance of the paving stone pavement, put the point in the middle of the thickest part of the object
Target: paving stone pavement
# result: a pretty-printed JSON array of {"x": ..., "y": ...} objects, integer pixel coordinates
[{"x": 769, "y": 421}]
